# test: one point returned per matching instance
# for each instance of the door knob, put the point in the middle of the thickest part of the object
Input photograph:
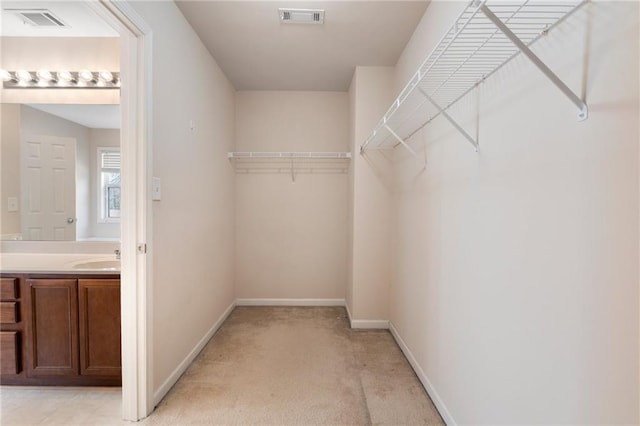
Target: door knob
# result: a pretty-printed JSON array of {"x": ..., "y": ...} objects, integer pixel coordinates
[{"x": 70, "y": 220}]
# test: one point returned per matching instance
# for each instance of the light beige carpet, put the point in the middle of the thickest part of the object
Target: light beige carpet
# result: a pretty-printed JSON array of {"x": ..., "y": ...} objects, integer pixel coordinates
[{"x": 297, "y": 366}]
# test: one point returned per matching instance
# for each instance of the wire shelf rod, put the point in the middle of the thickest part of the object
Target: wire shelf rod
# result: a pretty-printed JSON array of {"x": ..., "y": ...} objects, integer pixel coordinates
[
  {"x": 435, "y": 92},
  {"x": 289, "y": 155},
  {"x": 409, "y": 86},
  {"x": 465, "y": 93},
  {"x": 474, "y": 48}
]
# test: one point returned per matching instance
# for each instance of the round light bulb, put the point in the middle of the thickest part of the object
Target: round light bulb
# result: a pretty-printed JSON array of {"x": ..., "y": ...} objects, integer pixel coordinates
[
  {"x": 64, "y": 76},
  {"x": 43, "y": 83},
  {"x": 106, "y": 76},
  {"x": 100, "y": 83},
  {"x": 44, "y": 75},
  {"x": 24, "y": 76},
  {"x": 5, "y": 75},
  {"x": 85, "y": 75}
]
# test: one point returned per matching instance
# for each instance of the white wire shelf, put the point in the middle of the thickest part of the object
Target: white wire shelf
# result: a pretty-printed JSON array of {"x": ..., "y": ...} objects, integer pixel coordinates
[
  {"x": 273, "y": 162},
  {"x": 484, "y": 37},
  {"x": 289, "y": 155}
]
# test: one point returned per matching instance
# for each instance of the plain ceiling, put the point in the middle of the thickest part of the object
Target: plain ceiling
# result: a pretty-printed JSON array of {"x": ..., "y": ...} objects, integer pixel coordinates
[
  {"x": 252, "y": 47},
  {"x": 257, "y": 52},
  {"x": 87, "y": 115}
]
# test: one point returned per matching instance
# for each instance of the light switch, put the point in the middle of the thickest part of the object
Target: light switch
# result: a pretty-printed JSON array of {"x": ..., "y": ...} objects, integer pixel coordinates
[
  {"x": 12, "y": 204},
  {"x": 156, "y": 190},
  {"x": 192, "y": 125}
]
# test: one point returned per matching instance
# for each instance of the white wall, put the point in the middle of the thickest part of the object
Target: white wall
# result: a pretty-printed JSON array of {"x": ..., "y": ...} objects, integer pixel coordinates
[
  {"x": 371, "y": 93},
  {"x": 9, "y": 167},
  {"x": 193, "y": 225},
  {"x": 291, "y": 237},
  {"x": 516, "y": 272}
]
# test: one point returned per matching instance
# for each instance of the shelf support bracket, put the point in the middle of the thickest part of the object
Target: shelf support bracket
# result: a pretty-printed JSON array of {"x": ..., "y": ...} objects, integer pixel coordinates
[
  {"x": 415, "y": 155},
  {"x": 582, "y": 107},
  {"x": 451, "y": 120},
  {"x": 293, "y": 176}
]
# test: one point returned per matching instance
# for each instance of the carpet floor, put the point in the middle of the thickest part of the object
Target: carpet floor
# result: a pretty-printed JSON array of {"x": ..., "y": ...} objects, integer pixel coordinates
[
  {"x": 264, "y": 366},
  {"x": 297, "y": 366}
]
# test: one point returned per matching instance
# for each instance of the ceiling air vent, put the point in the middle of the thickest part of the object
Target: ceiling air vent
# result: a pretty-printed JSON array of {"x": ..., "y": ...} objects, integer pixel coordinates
[
  {"x": 301, "y": 16},
  {"x": 39, "y": 17}
]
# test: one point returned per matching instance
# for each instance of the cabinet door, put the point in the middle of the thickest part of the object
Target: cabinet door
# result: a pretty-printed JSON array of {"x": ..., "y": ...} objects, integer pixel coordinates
[
  {"x": 52, "y": 333},
  {"x": 9, "y": 352},
  {"x": 100, "y": 353}
]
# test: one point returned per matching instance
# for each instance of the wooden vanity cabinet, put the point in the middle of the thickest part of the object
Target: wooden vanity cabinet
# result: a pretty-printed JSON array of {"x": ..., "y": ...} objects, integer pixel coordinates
[{"x": 67, "y": 331}]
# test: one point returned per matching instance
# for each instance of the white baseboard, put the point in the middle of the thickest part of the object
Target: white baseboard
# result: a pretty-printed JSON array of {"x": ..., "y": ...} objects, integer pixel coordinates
[
  {"x": 175, "y": 376},
  {"x": 442, "y": 409},
  {"x": 366, "y": 324},
  {"x": 290, "y": 302},
  {"x": 346, "y": 306},
  {"x": 370, "y": 324}
]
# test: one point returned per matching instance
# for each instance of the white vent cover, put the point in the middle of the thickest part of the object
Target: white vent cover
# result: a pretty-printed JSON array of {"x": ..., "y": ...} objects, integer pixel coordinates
[
  {"x": 39, "y": 17},
  {"x": 301, "y": 16}
]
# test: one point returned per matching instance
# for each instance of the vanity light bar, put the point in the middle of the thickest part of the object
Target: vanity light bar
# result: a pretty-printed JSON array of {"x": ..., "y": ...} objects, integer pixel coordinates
[{"x": 44, "y": 79}]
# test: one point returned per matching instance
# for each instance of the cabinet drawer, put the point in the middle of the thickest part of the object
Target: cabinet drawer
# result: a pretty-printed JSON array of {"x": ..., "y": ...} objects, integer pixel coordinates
[
  {"x": 9, "y": 352},
  {"x": 8, "y": 288},
  {"x": 9, "y": 312}
]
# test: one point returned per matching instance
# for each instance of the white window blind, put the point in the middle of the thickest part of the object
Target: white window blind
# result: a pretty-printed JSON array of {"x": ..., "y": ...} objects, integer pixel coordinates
[
  {"x": 109, "y": 185},
  {"x": 110, "y": 159}
]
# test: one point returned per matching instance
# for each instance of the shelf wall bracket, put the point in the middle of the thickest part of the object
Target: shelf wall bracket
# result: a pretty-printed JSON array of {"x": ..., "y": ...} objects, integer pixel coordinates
[
  {"x": 415, "y": 155},
  {"x": 293, "y": 176},
  {"x": 451, "y": 120},
  {"x": 582, "y": 106}
]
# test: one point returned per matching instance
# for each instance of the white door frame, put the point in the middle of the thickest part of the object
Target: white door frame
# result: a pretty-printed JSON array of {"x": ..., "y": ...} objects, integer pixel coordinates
[{"x": 136, "y": 220}]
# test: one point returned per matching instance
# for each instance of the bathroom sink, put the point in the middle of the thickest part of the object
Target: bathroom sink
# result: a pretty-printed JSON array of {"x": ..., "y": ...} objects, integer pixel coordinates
[{"x": 105, "y": 265}]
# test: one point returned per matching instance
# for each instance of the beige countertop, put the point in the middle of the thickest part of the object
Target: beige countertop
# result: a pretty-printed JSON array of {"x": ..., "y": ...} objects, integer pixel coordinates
[{"x": 59, "y": 263}]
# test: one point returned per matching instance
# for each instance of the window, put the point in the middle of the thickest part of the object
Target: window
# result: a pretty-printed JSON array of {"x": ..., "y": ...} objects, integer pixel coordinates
[{"x": 109, "y": 185}]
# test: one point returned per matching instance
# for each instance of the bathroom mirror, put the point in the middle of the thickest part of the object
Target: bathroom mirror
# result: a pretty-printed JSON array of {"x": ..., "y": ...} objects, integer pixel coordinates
[{"x": 60, "y": 172}]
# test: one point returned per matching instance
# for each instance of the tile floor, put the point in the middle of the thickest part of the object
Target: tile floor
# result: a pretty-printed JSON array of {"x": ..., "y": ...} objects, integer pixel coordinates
[{"x": 60, "y": 406}]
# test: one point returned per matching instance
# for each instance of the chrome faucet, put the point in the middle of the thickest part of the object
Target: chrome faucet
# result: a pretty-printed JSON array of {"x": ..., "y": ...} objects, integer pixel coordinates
[{"x": 117, "y": 252}]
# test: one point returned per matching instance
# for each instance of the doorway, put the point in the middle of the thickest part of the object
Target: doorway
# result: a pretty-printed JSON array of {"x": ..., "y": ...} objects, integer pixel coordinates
[{"x": 136, "y": 230}]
